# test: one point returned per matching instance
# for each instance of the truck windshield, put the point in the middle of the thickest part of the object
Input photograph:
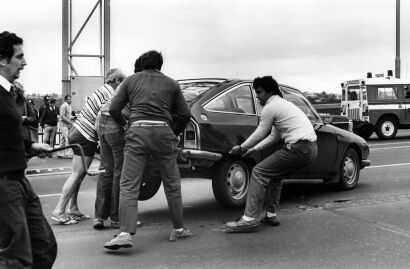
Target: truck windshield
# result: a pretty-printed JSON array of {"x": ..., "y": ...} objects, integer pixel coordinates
[{"x": 353, "y": 93}]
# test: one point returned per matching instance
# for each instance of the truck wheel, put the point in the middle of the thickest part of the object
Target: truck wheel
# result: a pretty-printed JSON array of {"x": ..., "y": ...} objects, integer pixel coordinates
[
  {"x": 230, "y": 182},
  {"x": 386, "y": 128},
  {"x": 150, "y": 184},
  {"x": 349, "y": 171}
]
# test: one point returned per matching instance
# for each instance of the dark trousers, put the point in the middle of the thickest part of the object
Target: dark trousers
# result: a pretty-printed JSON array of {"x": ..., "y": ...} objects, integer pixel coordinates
[
  {"x": 266, "y": 179},
  {"x": 112, "y": 145},
  {"x": 26, "y": 238},
  {"x": 142, "y": 142}
]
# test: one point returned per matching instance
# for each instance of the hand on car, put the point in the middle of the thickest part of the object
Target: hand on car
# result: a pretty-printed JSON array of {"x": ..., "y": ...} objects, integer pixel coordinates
[
  {"x": 249, "y": 152},
  {"x": 236, "y": 151},
  {"x": 40, "y": 149}
]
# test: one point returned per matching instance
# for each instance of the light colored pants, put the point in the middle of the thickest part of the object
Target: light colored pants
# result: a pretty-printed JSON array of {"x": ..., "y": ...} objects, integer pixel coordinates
[
  {"x": 64, "y": 142},
  {"x": 50, "y": 135}
]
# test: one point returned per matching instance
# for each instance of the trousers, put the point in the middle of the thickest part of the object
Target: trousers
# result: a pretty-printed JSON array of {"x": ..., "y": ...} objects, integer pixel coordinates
[
  {"x": 141, "y": 143},
  {"x": 26, "y": 238},
  {"x": 112, "y": 144},
  {"x": 267, "y": 176}
]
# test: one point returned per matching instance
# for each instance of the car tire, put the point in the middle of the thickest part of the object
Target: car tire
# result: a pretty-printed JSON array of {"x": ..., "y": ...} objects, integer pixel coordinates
[
  {"x": 386, "y": 128},
  {"x": 150, "y": 183},
  {"x": 230, "y": 182},
  {"x": 349, "y": 170}
]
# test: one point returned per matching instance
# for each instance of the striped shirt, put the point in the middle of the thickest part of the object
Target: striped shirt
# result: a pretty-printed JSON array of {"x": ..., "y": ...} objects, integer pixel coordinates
[{"x": 86, "y": 119}]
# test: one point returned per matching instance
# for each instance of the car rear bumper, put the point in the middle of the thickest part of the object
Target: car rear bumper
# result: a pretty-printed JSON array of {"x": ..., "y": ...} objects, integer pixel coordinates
[
  {"x": 193, "y": 158},
  {"x": 366, "y": 163}
]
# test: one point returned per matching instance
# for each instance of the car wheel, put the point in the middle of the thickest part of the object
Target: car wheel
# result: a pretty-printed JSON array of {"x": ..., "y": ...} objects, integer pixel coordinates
[
  {"x": 350, "y": 170},
  {"x": 230, "y": 182},
  {"x": 150, "y": 183},
  {"x": 386, "y": 128}
]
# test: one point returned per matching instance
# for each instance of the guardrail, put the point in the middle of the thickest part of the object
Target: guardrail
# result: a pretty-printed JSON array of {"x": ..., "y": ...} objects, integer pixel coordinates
[{"x": 330, "y": 109}]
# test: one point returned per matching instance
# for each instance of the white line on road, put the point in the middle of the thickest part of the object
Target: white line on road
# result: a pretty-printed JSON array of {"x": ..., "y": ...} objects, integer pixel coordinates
[
  {"x": 53, "y": 194},
  {"x": 384, "y": 144},
  {"x": 388, "y": 165},
  {"x": 390, "y": 148}
]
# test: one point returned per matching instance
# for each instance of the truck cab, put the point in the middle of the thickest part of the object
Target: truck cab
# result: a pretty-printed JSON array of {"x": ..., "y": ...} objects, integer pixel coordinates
[{"x": 380, "y": 104}]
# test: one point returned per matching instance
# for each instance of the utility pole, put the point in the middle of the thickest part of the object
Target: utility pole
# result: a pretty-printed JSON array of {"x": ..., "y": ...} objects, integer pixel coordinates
[{"x": 397, "y": 63}]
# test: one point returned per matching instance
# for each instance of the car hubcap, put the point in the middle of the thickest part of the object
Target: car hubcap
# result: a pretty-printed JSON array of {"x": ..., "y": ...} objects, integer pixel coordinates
[
  {"x": 350, "y": 170},
  {"x": 237, "y": 180},
  {"x": 387, "y": 128}
]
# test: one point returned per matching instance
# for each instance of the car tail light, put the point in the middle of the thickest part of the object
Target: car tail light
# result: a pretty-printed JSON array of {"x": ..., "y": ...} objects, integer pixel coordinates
[
  {"x": 191, "y": 136},
  {"x": 350, "y": 126}
]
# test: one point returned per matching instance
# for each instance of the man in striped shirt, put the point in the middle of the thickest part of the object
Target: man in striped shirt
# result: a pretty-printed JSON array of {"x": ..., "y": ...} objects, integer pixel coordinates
[{"x": 83, "y": 133}]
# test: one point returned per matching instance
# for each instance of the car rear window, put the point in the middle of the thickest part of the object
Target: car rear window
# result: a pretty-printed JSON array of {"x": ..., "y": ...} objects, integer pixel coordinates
[{"x": 193, "y": 89}]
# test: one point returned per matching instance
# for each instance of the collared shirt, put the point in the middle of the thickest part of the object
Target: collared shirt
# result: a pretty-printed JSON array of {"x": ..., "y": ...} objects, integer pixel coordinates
[
  {"x": 5, "y": 83},
  {"x": 85, "y": 122},
  {"x": 152, "y": 96},
  {"x": 284, "y": 120},
  {"x": 65, "y": 114}
]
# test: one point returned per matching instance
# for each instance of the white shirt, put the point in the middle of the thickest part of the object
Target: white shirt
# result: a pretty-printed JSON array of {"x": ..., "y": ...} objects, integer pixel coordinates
[
  {"x": 284, "y": 120},
  {"x": 5, "y": 83}
]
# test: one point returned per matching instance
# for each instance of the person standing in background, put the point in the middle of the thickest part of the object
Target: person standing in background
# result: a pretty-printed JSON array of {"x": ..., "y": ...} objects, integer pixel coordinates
[
  {"x": 26, "y": 112},
  {"x": 48, "y": 122},
  {"x": 46, "y": 103},
  {"x": 34, "y": 126},
  {"x": 65, "y": 124}
]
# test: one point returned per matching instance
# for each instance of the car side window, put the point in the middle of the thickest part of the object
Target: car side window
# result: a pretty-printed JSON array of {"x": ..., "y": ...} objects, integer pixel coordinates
[
  {"x": 302, "y": 104},
  {"x": 239, "y": 100}
]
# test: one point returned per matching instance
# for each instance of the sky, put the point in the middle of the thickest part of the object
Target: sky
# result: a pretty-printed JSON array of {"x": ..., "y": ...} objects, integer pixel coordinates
[{"x": 312, "y": 45}]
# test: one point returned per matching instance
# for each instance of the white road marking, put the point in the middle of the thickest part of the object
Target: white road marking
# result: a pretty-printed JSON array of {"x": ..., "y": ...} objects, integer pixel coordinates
[
  {"x": 53, "y": 194},
  {"x": 387, "y": 165},
  {"x": 386, "y": 144},
  {"x": 390, "y": 148}
]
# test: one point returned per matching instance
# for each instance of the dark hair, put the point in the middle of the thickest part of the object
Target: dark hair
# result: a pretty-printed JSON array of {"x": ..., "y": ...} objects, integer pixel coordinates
[
  {"x": 66, "y": 97},
  {"x": 52, "y": 101},
  {"x": 152, "y": 60},
  {"x": 138, "y": 65},
  {"x": 7, "y": 41},
  {"x": 268, "y": 84}
]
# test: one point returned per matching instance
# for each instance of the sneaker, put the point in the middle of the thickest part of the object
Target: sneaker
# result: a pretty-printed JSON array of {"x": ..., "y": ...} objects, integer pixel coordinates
[
  {"x": 274, "y": 221},
  {"x": 242, "y": 226},
  {"x": 120, "y": 241},
  {"x": 115, "y": 224},
  {"x": 184, "y": 233},
  {"x": 98, "y": 224}
]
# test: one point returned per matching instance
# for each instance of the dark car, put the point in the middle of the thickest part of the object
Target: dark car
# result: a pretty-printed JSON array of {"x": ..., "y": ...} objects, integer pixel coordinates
[{"x": 224, "y": 113}]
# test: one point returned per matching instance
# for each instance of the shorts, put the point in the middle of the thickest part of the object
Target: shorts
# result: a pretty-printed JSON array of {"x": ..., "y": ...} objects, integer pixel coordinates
[{"x": 75, "y": 137}]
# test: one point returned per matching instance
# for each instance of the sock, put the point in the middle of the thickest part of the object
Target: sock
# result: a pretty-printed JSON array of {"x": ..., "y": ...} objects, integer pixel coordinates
[
  {"x": 270, "y": 215},
  {"x": 247, "y": 218},
  {"x": 124, "y": 233}
]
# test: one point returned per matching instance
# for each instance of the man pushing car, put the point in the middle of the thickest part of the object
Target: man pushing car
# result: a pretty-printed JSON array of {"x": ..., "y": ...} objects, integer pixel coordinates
[{"x": 285, "y": 121}]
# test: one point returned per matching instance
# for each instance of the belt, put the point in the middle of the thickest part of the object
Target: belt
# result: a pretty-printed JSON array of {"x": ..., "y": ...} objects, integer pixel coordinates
[
  {"x": 302, "y": 141},
  {"x": 146, "y": 124}
]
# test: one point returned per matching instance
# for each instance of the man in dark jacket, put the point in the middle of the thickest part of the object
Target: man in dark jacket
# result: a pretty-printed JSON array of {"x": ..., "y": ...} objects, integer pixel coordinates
[
  {"x": 48, "y": 122},
  {"x": 153, "y": 98},
  {"x": 26, "y": 238}
]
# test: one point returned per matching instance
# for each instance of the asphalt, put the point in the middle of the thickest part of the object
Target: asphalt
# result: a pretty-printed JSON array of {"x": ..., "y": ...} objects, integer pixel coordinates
[{"x": 321, "y": 227}]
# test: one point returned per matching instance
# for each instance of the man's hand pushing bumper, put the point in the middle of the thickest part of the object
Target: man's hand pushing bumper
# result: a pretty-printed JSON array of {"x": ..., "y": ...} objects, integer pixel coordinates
[
  {"x": 240, "y": 151},
  {"x": 40, "y": 149}
]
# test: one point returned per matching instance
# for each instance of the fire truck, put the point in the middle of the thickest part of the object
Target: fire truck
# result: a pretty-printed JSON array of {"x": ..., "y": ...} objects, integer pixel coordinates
[{"x": 377, "y": 104}]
